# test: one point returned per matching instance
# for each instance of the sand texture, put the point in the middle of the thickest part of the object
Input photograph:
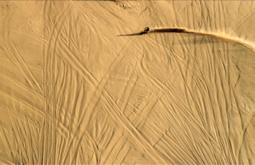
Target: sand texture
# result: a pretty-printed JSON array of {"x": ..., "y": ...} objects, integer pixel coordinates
[{"x": 147, "y": 82}]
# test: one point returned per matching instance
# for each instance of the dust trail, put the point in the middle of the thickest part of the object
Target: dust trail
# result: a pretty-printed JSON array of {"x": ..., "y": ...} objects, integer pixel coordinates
[{"x": 214, "y": 34}]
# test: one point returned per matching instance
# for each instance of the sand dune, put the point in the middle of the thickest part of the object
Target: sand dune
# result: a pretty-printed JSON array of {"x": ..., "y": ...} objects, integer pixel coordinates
[{"x": 127, "y": 82}]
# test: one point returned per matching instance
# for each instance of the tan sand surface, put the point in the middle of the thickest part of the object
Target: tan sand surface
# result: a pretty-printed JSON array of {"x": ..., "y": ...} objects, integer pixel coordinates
[{"x": 127, "y": 82}]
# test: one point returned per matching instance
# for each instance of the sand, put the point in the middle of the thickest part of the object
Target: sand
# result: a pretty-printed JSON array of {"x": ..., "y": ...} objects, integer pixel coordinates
[{"x": 127, "y": 82}]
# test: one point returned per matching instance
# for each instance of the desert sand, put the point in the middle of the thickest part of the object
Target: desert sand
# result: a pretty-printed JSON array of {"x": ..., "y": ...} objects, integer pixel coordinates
[{"x": 127, "y": 82}]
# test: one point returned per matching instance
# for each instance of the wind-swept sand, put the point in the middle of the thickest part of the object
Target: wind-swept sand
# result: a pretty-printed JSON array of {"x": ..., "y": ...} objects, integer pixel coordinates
[{"x": 127, "y": 82}]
